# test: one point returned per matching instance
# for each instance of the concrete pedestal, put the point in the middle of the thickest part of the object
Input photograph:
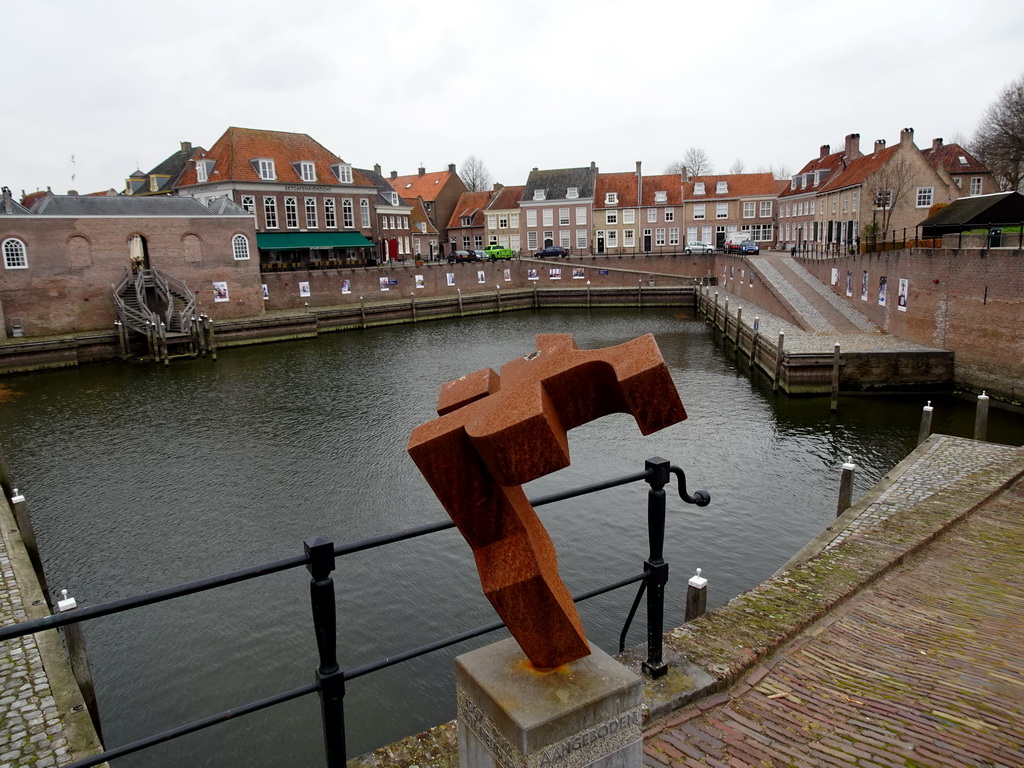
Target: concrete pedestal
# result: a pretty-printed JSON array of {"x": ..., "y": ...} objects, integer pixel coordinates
[{"x": 582, "y": 714}]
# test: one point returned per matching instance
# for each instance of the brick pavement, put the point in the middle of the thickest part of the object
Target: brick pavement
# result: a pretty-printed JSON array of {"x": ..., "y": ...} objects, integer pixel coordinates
[{"x": 921, "y": 668}]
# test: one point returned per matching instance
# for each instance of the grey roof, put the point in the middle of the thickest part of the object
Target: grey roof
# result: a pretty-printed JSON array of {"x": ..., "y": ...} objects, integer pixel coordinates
[
  {"x": 123, "y": 205},
  {"x": 16, "y": 208},
  {"x": 225, "y": 206},
  {"x": 172, "y": 167},
  {"x": 998, "y": 208},
  {"x": 384, "y": 188},
  {"x": 556, "y": 182}
]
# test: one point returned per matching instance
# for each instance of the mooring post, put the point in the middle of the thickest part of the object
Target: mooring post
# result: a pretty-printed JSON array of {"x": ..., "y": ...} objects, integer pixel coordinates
[
  {"x": 753, "y": 342},
  {"x": 926, "y": 423},
  {"x": 329, "y": 677},
  {"x": 739, "y": 324},
  {"x": 5, "y": 477},
  {"x": 412, "y": 304},
  {"x": 981, "y": 418},
  {"x": 846, "y": 486},
  {"x": 362, "y": 312},
  {"x": 23, "y": 520},
  {"x": 725, "y": 319},
  {"x": 497, "y": 296},
  {"x": 778, "y": 362},
  {"x": 835, "y": 378},
  {"x": 714, "y": 317},
  {"x": 696, "y": 597},
  {"x": 656, "y": 569},
  {"x": 640, "y": 293},
  {"x": 459, "y": 291},
  {"x": 588, "y": 294},
  {"x": 78, "y": 656}
]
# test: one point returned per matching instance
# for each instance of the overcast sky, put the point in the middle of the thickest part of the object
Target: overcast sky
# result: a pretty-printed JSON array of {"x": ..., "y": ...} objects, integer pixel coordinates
[{"x": 546, "y": 83}]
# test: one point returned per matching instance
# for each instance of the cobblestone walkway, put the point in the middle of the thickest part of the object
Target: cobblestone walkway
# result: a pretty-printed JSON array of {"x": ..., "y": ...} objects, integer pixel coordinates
[
  {"x": 31, "y": 731},
  {"x": 923, "y": 668}
]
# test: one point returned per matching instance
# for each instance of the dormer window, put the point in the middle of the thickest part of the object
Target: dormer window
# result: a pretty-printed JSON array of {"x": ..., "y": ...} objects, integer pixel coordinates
[
  {"x": 265, "y": 168},
  {"x": 611, "y": 198},
  {"x": 307, "y": 171},
  {"x": 572, "y": 193},
  {"x": 661, "y": 196},
  {"x": 154, "y": 184},
  {"x": 698, "y": 187},
  {"x": 467, "y": 221},
  {"x": 344, "y": 173},
  {"x": 394, "y": 198},
  {"x": 202, "y": 171},
  {"x": 722, "y": 188},
  {"x": 540, "y": 194}
]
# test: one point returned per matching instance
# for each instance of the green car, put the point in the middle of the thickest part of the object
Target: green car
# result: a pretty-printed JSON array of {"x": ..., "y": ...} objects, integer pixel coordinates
[{"x": 498, "y": 252}]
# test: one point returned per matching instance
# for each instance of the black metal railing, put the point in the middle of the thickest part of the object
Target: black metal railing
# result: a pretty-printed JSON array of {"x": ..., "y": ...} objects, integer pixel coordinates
[
  {"x": 319, "y": 557},
  {"x": 983, "y": 236}
]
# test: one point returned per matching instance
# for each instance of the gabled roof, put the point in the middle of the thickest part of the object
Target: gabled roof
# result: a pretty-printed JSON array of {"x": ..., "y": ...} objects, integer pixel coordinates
[
  {"x": 556, "y": 182},
  {"x": 129, "y": 205},
  {"x": 470, "y": 204},
  {"x": 418, "y": 216},
  {"x": 507, "y": 198},
  {"x": 622, "y": 184},
  {"x": 670, "y": 183},
  {"x": 425, "y": 185},
  {"x": 384, "y": 188},
  {"x": 739, "y": 185},
  {"x": 821, "y": 169},
  {"x": 172, "y": 168},
  {"x": 10, "y": 206},
  {"x": 234, "y": 152},
  {"x": 998, "y": 208},
  {"x": 952, "y": 157},
  {"x": 856, "y": 171}
]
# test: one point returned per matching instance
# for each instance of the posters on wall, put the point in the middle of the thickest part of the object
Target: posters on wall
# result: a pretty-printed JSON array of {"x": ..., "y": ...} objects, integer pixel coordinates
[
  {"x": 450, "y": 278},
  {"x": 578, "y": 273},
  {"x": 864, "y": 286},
  {"x": 555, "y": 273},
  {"x": 346, "y": 286},
  {"x": 532, "y": 274},
  {"x": 849, "y": 283},
  {"x": 304, "y": 291},
  {"x": 481, "y": 276},
  {"x": 835, "y": 276},
  {"x": 384, "y": 284},
  {"x": 418, "y": 279},
  {"x": 220, "y": 292},
  {"x": 901, "y": 294},
  {"x": 881, "y": 290},
  {"x": 507, "y": 274},
  {"x": 266, "y": 292}
]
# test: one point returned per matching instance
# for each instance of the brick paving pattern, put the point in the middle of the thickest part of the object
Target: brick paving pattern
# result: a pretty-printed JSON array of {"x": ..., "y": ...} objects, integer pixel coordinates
[
  {"x": 923, "y": 668},
  {"x": 31, "y": 731}
]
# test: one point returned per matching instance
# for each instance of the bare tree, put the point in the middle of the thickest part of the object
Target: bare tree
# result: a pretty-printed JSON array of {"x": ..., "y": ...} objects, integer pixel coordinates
[
  {"x": 737, "y": 167},
  {"x": 698, "y": 162},
  {"x": 999, "y": 140},
  {"x": 886, "y": 188},
  {"x": 475, "y": 175},
  {"x": 676, "y": 166}
]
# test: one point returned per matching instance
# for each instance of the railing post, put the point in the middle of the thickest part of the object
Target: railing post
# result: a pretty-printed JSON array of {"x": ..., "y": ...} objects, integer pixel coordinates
[
  {"x": 656, "y": 569},
  {"x": 926, "y": 423},
  {"x": 696, "y": 597},
  {"x": 981, "y": 418},
  {"x": 846, "y": 486},
  {"x": 329, "y": 677},
  {"x": 78, "y": 656}
]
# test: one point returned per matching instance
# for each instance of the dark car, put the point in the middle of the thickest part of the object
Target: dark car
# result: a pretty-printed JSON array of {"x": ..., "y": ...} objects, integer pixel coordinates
[
  {"x": 458, "y": 257},
  {"x": 554, "y": 251},
  {"x": 481, "y": 255},
  {"x": 749, "y": 246}
]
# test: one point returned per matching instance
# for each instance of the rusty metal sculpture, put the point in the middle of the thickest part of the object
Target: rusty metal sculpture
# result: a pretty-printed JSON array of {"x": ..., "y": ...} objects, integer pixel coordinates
[{"x": 496, "y": 432}]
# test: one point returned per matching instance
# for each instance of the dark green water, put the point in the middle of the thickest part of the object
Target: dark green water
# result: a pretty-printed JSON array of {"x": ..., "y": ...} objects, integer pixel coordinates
[{"x": 141, "y": 477}]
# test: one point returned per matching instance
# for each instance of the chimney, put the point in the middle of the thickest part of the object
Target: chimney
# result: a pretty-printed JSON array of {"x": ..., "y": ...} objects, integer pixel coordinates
[
  {"x": 593, "y": 165},
  {"x": 907, "y": 136},
  {"x": 376, "y": 168},
  {"x": 394, "y": 175},
  {"x": 186, "y": 146},
  {"x": 498, "y": 187},
  {"x": 879, "y": 145},
  {"x": 422, "y": 170},
  {"x": 637, "y": 167},
  {"x": 73, "y": 192},
  {"x": 451, "y": 168},
  {"x": 853, "y": 146},
  {"x": 936, "y": 144},
  {"x": 8, "y": 204},
  {"x": 684, "y": 174},
  {"x": 826, "y": 150}
]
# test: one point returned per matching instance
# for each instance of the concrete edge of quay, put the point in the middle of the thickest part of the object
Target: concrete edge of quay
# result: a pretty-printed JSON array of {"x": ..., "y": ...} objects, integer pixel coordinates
[
  {"x": 729, "y": 644},
  {"x": 81, "y": 736}
]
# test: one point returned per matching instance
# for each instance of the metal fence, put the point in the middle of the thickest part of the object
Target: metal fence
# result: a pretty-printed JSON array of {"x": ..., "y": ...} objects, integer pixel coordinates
[
  {"x": 319, "y": 557},
  {"x": 984, "y": 236}
]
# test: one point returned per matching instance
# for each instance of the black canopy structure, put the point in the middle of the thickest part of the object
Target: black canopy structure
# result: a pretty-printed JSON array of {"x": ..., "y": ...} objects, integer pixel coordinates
[{"x": 976, "y": 212}]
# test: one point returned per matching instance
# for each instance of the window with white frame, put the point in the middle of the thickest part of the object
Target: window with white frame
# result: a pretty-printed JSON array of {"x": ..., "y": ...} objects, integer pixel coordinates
[
  {"x": 492, "y": 239},
  {"x": 721, "y": 210},
  {"x": 503, "y": 221},
  {"x": 846, "y": 202},
  {"x": 240, "y": 247},
  {"x": 812, "y": 207},
  {"x": 698, "y": 211},
  {"x": 652, "y": 215},
  {"x": 15, "y": 254},
  {"x": 531, "y": 240},
  {"x": 956, "y": 181},
  {"x": 540, "y": 194},
  {"x": 628, "y": 238},
  {"x": 563, "y": 217},
  {"x": 492, "y": 221},
  {"x": 661, "y": 196},
  {"x": 466, "y": 240},
  {"x": 311, "y": 219},
  {"x": 659, "y": 236},
  {"x": 467, "y": 221},
  {"x": 925, "y": 197},
  {"x": 611, "y": 217},
  {"x": 478, "y": 241},
  {"x": 572, "y": 193},
  {"x": 307, "y": 171},
  {"x": 834, "y": 199},
  {"x": 629, "y": 216},
  {"x": 722, "y": 188},
  {"x": 548, "y": 217},
  {"x": 201, "y": 172},
  {"x": 270, "y": 212},
  {"x": 564, "y": 236},
  {"x": 348, "y": 218},
  {"x": 611, "y": 238},
  {"x": 249, "y": 203},
  {"x": 531, "y": 218},
  {"x": 266, "y": 170},
  {"x": 748, "y": 210},
  {"x": 581, "y": 215},
  {"x": 394, "y": 197},
  {"x": 549, "y": 236},
  {"x": 975, "y": 185},
  {"x": 581, "y": 239},
  {"x": 698, "y": 187},
  {"x": 691, "y": 234},
  {"x": 330, "y": 213},
  {"x": 670, "y": 214},
  {"x": 853, "y": 202},
  {"x": 673, "y": 236},
  {"x": 345, "y": 173},
  {"x": 513, "y": 221},
  {"x": 883, "y": 199},
  {"x": 364, "y": 213},
  {"x": 291, "y": 212},
  {"x": 611, "y": 198}
]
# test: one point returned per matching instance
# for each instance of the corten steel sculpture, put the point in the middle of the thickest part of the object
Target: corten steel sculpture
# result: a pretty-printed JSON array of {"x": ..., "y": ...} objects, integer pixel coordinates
[{"x": 496, "y": 432}]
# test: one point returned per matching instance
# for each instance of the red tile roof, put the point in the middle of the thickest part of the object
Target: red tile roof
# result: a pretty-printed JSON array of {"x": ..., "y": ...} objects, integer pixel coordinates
[
  {"x": 856, "y": 171},
  {"x": 949, "y": 157},
  {"x": 428, "y": 186},
  {"x": 670, "y": 183},
  {"x": 623, "y": 184},
  {"x": 506, "y": 199},
  {"x": 739, "y": 184},
  {"x": 470, "y": 204},
  {"x": 418, "y": 215},
  {"x": 235, "y": 150},
  {"x": 829, "y": 164}
]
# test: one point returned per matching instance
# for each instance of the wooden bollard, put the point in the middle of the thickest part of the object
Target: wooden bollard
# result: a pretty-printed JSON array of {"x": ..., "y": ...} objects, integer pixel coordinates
[
  {"x": 926, "y": 423},
  {"x": 846, "y": 487},
  {"x": 24, "y": 522},
  {"x": 78, "y": 655},
  {"x": 981, "y": 417},
  {"x": 362, "y": 312},
  {"x": 696, "y": 597},
  {"x": 835, "y": 378},
  {"x": 459, "y": 291},
  {"x": 208, "y": 322},
  {"x": 5, "y": 477},
  {"x": 778, "y": 361},
  {"x": 739, "y": 324},
  {"x": 412, "y": 305},
  {"x": 497, "y": 296},
  {"x": 725, "y": 319},
  {"x": 714, "y": 317},
  {"x": 753, "y": 342}
]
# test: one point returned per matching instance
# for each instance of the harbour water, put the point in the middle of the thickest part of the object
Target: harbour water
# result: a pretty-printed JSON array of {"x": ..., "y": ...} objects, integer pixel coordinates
[{"x": 141, "y": 477}]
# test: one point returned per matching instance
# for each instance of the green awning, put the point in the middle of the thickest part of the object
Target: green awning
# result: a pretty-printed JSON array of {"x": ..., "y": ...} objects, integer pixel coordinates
[{"x": 314, "y": 241}]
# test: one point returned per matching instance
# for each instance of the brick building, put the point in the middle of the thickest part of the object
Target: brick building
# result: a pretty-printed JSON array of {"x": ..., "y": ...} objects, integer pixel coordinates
[
  {"x": 393, "y": 218},
  {"x": 717, "y": 207},
  {"x": 502, "y": 225},
  {"x": 556, "y": 208},
  {"x": 467, "y": 223},
  {"x": 440, "y": 192}
]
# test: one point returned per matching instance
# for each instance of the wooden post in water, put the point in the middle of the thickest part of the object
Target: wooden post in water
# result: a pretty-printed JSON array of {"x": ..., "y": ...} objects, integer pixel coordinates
[
  {"x": 23, "y": 520},
  {"x": 362, "y": 312},
  {"x": 926, "y": 423},
  {"x": 778, "y": 362},
  {"x": 739, "y": 324},
  {"x": 725, "y": 319},
  {"x": 497, "y": 296},
  {"x": 753, "y": 342},
  {"x": 459, "y": 291},
  {"x": 981, "y": 418},
  {"x": 208, "y": 322},
  {"x": 412, "y": 304},
  {"x": 846, "y": 486},
  {"x": 696, "y": 597},
  {"x": 714, "y": 317},
  {"x": 5, "y": 477},
  {"x": 78, "y": 655},
  {"x": 588, "y": 294},
  {"x": 835, "y": 378}
]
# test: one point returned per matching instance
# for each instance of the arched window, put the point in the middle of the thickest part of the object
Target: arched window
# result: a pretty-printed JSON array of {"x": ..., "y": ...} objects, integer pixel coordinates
[
  {"x": 240, "y": 246},
  {"x": 15, "y": 255}
]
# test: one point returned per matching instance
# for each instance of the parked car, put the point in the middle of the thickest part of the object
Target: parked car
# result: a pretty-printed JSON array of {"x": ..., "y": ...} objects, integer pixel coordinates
[
  {"x": 481, "y": 255},
  {"x": 732, "y": 244},
  {"x": 749, "y": 246},
  {"x": 495, "y": 251},
  {"x": 554, "y": 251},
  {"x": 697, "y": 246},
  {"x": 458, "y": 257}
]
